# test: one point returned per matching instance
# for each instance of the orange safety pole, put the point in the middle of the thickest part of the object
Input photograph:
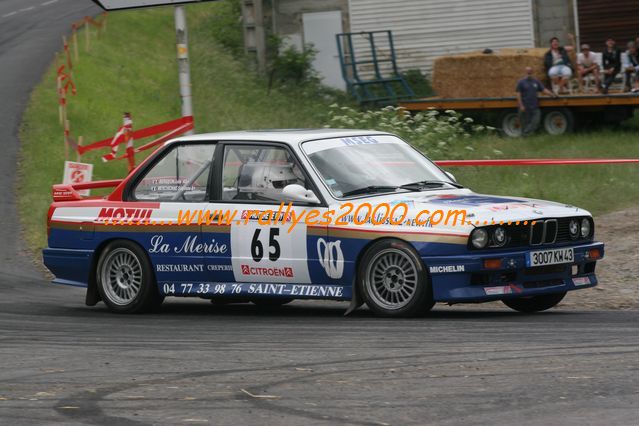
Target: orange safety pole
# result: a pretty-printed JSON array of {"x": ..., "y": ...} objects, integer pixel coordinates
[
  {"x": 78, "y": 156},
  {"x": 75, "y": 43},
  {"x": 67, "y": 126},
  {"x": 59, "y": 92},
  {"x": 68, "y": 54},
  {"x": 87, "y": 33},
  {"x": 104, "y": 21}
]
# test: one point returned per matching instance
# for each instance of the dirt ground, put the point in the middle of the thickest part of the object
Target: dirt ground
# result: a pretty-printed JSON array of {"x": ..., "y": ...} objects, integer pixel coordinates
[{"x": 618, "y": 271}]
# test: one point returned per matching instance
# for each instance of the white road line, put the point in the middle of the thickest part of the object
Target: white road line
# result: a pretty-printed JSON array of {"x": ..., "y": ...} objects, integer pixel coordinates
[{"x": 27, "y": 9}]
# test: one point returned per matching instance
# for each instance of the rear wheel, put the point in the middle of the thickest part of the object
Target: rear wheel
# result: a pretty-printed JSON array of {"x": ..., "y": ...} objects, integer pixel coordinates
[
  {"x": 125, "y": 279},
  {"x": 558, "y": 121},
  {"x": 510, "y": 124},
  {"x": 393, "y": 280},
  {"x": 535, "y": 303}
]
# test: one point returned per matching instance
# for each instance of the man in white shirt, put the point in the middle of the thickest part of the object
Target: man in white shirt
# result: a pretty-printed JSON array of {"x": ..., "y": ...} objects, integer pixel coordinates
[
  {"x": 587, "y": 63},
  {"x": 630, "y": 67}
]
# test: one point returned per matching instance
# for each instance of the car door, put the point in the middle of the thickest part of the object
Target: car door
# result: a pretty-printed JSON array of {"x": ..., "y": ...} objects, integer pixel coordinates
[
  {"x": 264, "y": 235},
  {"x": 178, "y": 183}
]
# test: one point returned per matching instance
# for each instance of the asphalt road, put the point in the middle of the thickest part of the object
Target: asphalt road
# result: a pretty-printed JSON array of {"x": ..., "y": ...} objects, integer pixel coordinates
[
  {"x": 30, "y": 32},
  {"x": 62, "y": 362}
]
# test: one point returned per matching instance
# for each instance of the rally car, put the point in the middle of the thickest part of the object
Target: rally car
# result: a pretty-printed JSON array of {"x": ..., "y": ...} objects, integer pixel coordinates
[{"x": 168, "y": 229}]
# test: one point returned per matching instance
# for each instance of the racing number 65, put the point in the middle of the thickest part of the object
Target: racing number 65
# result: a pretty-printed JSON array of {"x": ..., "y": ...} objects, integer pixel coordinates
[{"x": 257, "y": 249}]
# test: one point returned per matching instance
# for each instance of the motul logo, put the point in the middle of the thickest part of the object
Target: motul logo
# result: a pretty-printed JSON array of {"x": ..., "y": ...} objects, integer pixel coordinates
[{"x": 119, "y": 213}]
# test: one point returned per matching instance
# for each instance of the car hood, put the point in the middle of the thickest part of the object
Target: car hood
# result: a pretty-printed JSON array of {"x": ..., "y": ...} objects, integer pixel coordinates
[{"x": 478, "y": 207}]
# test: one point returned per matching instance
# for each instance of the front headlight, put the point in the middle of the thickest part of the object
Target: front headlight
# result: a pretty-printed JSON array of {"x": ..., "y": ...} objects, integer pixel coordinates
[
  {"x": 585, "y": 227},
  {"x": 479, "y": 238},
  {"x": 499, "y": 236},
  {"x": 574, "y": 228}
]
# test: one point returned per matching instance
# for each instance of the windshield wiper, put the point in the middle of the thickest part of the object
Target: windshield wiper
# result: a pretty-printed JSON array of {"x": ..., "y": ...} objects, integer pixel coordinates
[
  {"x": 369, "y": 189},
  {"x": 415, "y": 186},
  {"x": 429, "y": 183}
]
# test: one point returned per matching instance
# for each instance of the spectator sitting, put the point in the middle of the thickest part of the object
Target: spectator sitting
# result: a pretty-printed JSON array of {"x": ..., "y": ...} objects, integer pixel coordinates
[
  {"x": 611, "y": 59},
  {"x": 558, "y": 65},
  {"x": 587, "y": 64},
  {"x": 630, "y": 67}
]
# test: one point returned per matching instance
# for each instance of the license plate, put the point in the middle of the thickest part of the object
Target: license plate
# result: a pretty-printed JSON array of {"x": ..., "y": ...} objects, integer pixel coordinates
[{"x": 550, "y": 257}]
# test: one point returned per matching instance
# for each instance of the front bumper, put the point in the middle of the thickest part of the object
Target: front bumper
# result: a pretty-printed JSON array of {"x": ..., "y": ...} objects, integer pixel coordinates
[{"x": 464, "y": 278}]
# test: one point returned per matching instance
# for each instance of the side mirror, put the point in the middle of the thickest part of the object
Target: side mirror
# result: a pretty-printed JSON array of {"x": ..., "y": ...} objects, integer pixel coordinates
[
  {"x": 295, "y": 192},
  {"x": 451, "y": 176}
]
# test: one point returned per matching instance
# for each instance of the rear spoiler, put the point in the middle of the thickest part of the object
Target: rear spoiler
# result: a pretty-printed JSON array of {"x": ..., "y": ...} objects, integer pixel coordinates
[{"x": 69, "y": 192}]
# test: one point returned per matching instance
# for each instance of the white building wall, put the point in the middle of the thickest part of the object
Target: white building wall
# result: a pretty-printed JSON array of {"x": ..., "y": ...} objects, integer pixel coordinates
[{"x": 425, "y": 29}]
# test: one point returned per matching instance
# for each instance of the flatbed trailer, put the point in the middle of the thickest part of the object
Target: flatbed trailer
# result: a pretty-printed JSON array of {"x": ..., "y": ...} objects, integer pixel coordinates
[{"x": 559, "y": 115}]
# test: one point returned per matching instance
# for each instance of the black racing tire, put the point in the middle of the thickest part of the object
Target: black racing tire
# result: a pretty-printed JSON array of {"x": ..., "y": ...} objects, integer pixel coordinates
[
  {"x": 508, "y": 123},
  {"x": 393, "y": 280},
  {"x": 558, "y": 121},
  {"x": 270, "y": 302},
  {"x": 535, "y": 303},
  {"x": 125, "y": 279}
]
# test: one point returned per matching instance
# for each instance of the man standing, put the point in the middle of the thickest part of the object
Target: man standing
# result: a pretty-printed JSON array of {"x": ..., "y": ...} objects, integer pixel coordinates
[
  {"x": 611, "y": 64},
  {"x": 527, "y": 91}
]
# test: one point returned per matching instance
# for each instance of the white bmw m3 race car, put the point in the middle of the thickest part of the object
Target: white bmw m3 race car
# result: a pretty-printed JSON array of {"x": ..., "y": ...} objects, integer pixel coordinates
[{"x": 272, "y": 216}]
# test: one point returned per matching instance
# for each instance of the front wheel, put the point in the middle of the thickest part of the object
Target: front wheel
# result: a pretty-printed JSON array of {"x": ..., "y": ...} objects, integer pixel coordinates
[
  {"x": 393, "y": 280},
  {"x": 535, "y": 303},
  {"x": 125, "y": 279}
]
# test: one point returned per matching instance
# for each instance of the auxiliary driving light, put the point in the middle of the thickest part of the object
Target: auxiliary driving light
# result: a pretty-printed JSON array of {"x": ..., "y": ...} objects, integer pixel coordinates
[
  {"x": 492, "y": 263},
  {"x": 585, "y": 227},
  {"x": 479, "y": 238},
  {"x": 593, "y": 254}
]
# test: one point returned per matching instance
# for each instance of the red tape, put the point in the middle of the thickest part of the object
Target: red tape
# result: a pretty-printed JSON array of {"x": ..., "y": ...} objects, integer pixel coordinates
[
  {"x": 537, "y": 162},
  {"x": 182, "y": 129},
  {"x": 169, "y": 126}
]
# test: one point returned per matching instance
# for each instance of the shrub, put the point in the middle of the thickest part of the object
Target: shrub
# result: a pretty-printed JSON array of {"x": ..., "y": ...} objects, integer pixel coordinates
[
  {"x": 418, "y": 82},
  {"x": 226, "y": 26},
  {"x": 290, "y": 66},
  {"x": 435, "y": 133}
]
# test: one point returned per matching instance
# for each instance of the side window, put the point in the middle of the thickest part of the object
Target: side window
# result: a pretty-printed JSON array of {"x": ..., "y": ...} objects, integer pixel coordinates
[
  {"x": 258, "y": 173},
  {"x": 181, "y": 175}
]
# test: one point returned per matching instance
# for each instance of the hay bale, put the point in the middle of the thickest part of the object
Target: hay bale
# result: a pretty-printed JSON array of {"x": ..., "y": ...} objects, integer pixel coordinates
[{"x": 478, "y": 75}]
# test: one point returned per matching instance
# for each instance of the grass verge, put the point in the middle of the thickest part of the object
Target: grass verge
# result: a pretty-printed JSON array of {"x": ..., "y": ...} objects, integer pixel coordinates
[{"x": 598, "y": 188}]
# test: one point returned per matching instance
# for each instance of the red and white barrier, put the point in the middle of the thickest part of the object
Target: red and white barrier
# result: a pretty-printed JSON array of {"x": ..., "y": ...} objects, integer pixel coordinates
[
  {"x": 123, "y": 135},
  {"x": 126, "y": 134}
]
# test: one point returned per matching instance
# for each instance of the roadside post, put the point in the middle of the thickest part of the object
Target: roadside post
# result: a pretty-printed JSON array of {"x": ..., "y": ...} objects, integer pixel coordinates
[
  {"x": 182, "y": 41},
  {"x": 184, "y": 67}
]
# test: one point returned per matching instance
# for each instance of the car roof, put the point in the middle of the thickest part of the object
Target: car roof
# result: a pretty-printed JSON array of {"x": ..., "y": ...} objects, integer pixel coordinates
[{"x": 290, "y": 136}]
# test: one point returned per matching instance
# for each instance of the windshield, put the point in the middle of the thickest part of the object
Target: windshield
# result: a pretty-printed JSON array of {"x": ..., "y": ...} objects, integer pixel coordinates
[{"x": 349, "y": 164}]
